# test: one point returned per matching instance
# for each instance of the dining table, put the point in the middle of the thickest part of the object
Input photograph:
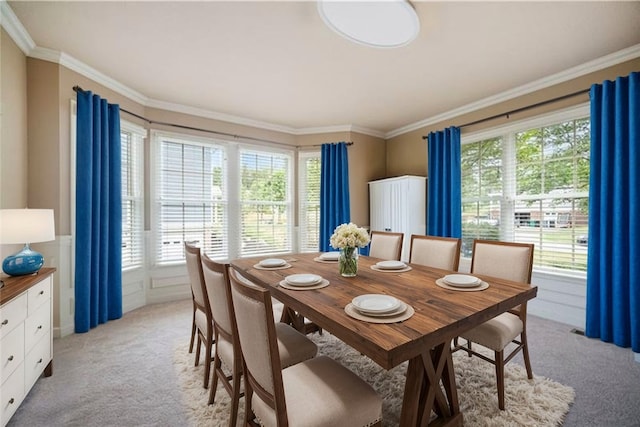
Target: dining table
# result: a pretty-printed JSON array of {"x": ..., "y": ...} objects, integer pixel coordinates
[{"x": 424, "y": 339}]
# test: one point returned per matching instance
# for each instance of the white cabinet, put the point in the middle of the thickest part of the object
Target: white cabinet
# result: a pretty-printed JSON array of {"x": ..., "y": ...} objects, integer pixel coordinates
[
  {"x": 399, "y": 205},
  {"x": 26, "y": 346}
]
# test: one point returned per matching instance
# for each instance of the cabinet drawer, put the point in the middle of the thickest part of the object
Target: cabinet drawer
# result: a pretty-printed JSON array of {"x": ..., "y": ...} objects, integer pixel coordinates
[
  {"x": 12, "y": 314},
  {"x": 36, "y": 360},
  {"x": 11, "y": 351},
  {"x": 11, "y": 394},
  {"x": 39, "y": 294},
  {"x": 36, "y": 326}
]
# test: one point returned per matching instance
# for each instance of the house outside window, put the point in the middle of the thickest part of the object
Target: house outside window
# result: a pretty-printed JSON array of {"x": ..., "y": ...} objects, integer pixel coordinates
[{"x": 529, "y": 183}]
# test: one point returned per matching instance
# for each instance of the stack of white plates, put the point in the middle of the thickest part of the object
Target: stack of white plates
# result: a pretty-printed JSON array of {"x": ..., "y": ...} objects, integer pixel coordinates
[
  {"x": 303, "y": 280},
  {"x": 378, "y": 305},
  {"x": 391, "y": 265},
  {"x": 272, "y": 263},
  {"x": 462, "y": 280},
  {"x": 329, "y": 256}
]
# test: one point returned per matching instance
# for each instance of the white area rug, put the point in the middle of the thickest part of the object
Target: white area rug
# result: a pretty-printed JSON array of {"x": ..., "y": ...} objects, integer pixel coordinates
[{"x": 538, "y": 402}]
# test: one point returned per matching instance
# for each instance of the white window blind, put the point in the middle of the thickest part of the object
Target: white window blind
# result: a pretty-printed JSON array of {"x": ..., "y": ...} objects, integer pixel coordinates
[
  {"x": 265, "y": 202},
  {"x": 132, "y": 175},
  {"x": 531, "y": 185},
  {"x": 309, "y": 200},
  {"x": 191, "y": 201}
]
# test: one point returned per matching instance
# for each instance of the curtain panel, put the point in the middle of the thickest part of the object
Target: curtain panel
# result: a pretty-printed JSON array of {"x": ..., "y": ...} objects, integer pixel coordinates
[
  {"x": 613, "y": 263},
  {"x": 98, "y": 256},
  {"x": 444, "y": 196},
  {"x": 334, "y": 191}
]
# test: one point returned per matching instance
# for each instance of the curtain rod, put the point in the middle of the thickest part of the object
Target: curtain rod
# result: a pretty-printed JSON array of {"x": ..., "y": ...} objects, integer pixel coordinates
[
  {"x": 234, "y": 136},
  {"x": 521, "y": 109}
]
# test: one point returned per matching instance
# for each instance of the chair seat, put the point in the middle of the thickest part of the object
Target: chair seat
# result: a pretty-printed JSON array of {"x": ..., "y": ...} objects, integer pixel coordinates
[
  {"x": 201, "y": 320},
  {"x": 319, "y": 393},
  {"x": 293, "y": 346},
  {"x": 496, "y": 333}
]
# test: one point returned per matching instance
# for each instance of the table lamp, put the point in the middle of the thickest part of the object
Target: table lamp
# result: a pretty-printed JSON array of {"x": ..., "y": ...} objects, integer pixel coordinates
[{"x": 25, "y": 226}]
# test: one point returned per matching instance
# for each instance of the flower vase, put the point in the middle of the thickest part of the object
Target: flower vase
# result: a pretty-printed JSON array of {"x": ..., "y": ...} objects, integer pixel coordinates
[{"x": 348, "y": 262}]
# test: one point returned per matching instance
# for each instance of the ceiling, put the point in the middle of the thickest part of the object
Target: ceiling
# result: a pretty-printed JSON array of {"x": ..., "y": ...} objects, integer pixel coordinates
[{"x": 276, "y": 62}]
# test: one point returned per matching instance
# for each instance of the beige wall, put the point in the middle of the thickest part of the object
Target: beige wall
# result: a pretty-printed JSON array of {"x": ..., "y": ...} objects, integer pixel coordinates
[
  {"x": 407, "y": 153},
  {"x": 13, "y": 130}
]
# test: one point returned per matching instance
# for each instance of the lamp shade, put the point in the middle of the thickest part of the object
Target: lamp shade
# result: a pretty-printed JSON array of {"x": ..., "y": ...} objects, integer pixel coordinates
[{"x": 26, "y": 226}]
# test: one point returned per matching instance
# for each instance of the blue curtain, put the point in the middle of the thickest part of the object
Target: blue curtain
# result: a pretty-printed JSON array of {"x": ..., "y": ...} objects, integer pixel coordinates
[
  {"x": 98, "y": 259},
  {"x": 334, "y": 191},
  {"x": 613, "y": 268},
  {"x": 444, "y": 202}
]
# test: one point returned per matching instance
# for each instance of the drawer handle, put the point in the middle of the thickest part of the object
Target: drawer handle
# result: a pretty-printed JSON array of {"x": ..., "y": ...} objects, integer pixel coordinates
[
  {"x": 5, "y": 321},
  {"x": 10, "y": 358},
  {"x": 41, "y": 293},
  {"x": 11, "y": 401},
  {"x": 40, "y": 361},
  {"x": 39, "y": 326}
]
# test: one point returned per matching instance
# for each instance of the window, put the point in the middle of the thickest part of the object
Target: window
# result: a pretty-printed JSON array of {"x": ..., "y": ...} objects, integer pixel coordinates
[
  {"x": 265, "y": 202},
  {"x": 530, "y": 183},
  {"x": 309, "y": 200},
  {"x": 132, "y": 164},
  {"x": 190, "y": 198},
  {"x": 231, "y": 200}
]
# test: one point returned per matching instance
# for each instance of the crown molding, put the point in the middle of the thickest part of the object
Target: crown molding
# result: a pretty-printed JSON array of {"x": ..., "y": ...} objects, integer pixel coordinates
[
  {"x": 15, "y": 29},
  {"x": 561, "y": 77}
]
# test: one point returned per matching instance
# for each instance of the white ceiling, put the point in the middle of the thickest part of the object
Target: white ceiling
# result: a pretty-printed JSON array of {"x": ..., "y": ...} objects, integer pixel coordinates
[{"x": 276, "y": 62}]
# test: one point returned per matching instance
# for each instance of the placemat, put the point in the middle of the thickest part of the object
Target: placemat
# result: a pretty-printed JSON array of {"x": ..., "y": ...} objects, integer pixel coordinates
[
  {"x": 352, "y": 312},
  {"x": 327, "y": 261},
  {"x": 388, "y": 270},
  {"x": 282, "y": 267},
  {"x": 323, "y": 284},
  {"x": 443, "y": 284}
]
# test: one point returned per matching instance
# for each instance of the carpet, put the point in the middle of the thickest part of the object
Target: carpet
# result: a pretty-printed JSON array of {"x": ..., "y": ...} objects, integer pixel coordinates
[{"x": 537, "y": 402}]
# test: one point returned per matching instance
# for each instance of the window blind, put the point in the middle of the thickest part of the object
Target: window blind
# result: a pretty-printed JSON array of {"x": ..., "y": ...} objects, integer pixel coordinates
[
  {"x": 132, "y": 173},
  {"x": 309, "y": 200}
]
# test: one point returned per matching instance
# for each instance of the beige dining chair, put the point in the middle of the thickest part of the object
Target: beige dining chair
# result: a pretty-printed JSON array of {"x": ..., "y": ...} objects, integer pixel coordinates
[
  {"x": 202, "y": 311},
  {"x": 317, "y": 392},
  {"x": 510, "y": 261},
  {"x": 386, "y": 245},
  {"x": 293, "y": 346},
  {"x": 436, "y": 252}
]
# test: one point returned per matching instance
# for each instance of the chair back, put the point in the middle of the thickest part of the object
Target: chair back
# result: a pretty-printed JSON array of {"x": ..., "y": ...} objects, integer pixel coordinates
[
  {"x": 386, "y": 245},
  {"x": 504, "y": 260},
  {"x": 436, "y": 252},
  {"x": 216, "y": 279},
  {"x": 258, "y": 343},
  {"x": 196, "y": 277}
]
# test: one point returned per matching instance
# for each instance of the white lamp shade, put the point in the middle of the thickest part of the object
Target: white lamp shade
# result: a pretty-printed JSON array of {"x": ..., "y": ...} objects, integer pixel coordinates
[{"x": 26, "y": 226}]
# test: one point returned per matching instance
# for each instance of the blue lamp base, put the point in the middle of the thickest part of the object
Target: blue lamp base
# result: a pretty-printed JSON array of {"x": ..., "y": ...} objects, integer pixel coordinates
[{"x": 26, "y": 261}]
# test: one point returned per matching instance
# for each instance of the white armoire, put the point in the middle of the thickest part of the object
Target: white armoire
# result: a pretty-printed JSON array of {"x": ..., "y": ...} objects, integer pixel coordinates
[{"x": 399, "y": 205}]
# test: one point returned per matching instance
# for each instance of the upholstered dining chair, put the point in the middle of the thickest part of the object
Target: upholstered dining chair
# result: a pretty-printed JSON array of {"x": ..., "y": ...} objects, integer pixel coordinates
[
  {"x": 317, "y": 392},
  {"x": 436, "y": 252},
  {"x": 202, "y": 308},
  {"x": 386, "y": 245},
  {"x": 293, "y": 346},
  {"x": 510, "y": 261}
]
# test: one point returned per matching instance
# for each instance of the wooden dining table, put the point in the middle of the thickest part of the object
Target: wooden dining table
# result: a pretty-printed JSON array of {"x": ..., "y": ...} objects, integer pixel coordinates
[{"x": 424, "y": 340}]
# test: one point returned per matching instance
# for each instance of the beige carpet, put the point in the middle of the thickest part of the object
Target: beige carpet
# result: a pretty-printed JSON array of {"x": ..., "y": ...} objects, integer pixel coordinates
[{"x": 539, "y": 402}]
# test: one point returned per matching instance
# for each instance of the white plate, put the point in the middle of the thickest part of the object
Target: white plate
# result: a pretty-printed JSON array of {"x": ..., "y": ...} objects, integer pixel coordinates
[
  {"x": 461, "y": 280},
  {"x": 391, "y": 265},
  {"x": 272, "y": 262},
  {"x": 375, "y": 303},
  {"x": 303, "y": 279},
  {"x": 401, "y": 309},
  {"x": 330, "y": 256}
]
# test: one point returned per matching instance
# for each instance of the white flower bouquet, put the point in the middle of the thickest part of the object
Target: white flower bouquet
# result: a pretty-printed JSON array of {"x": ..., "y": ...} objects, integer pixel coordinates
[{"x": 348, "y": 237}]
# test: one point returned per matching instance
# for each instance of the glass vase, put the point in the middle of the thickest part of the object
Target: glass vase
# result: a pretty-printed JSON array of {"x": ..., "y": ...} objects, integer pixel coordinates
[{"x": 348, "y": 262}]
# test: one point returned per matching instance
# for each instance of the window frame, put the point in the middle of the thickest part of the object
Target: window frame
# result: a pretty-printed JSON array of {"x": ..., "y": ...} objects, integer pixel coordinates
[{"x": 508, "y": 134}]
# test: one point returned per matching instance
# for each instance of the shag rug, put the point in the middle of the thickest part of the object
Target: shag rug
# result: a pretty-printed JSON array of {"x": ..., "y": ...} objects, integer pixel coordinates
[{"x": 538, "y": 402}]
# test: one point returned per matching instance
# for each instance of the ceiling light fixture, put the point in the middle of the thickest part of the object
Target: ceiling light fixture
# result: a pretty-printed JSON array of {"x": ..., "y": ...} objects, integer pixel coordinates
[{"x": 381, "y": 23}]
